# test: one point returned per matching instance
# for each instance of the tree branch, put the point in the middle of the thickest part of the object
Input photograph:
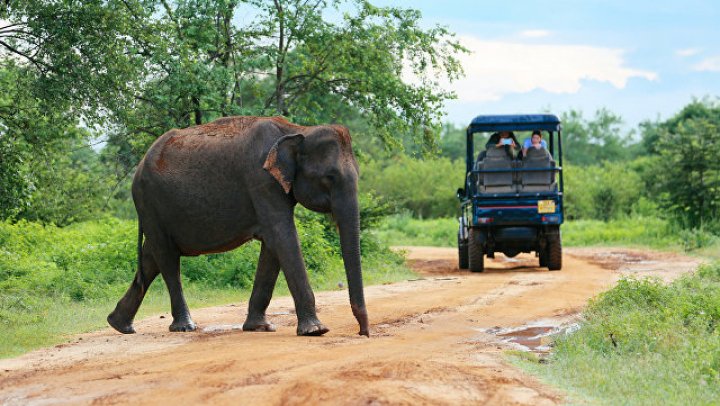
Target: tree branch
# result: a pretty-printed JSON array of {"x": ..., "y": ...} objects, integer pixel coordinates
[{"x": 39, "y": 64}]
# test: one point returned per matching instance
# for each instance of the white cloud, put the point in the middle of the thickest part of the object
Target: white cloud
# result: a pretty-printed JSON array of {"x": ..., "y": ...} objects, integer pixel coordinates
[
  {"x": 534, "y": 33},
  {"x": 711, "y": 64},
  {"x": 687, "y": 52},
  {"x": 497, "y": 68}
]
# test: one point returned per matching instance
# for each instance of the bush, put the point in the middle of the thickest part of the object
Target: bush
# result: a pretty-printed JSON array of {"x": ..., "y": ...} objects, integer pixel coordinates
[
  {"x": 644, "y": 342},
  {"x": 697, "y": 238},
  {"x": 603, "y": 192},
  {"x": 403, "y": 229},
  {"x": 426, "y": 188},
  {"x": 644, "y": 231}
]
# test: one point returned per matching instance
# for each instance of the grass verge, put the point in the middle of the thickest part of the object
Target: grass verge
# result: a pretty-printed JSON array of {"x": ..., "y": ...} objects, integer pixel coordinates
[
  {"x": 646, "y": 232},
  {"x": 643, "y": 343}
]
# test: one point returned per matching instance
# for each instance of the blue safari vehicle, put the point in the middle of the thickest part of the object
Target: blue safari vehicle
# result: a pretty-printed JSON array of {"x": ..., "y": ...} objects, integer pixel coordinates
[{"x": 511, "y": 202}]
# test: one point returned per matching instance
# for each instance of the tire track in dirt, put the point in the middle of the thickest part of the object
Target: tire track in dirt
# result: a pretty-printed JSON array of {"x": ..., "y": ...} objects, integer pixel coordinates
[{"x": 431, "y": 343}]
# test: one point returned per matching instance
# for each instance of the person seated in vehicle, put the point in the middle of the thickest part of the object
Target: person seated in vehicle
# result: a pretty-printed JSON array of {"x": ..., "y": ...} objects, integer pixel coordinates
[
  {"x": 502, "y": 139},
  {"x": 535, "y": 141}
]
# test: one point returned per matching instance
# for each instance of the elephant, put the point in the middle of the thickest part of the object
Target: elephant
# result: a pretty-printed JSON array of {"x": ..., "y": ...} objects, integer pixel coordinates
[{"x": 212, "y": 187}]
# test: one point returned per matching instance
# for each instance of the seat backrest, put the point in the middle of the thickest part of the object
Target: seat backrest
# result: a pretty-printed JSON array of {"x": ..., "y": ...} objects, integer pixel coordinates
[
  {"x": 537, "y": 181},
  {"x": 499, "y": 182}
]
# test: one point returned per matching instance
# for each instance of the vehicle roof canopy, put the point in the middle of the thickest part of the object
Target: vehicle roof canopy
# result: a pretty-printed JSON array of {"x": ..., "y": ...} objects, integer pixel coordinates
[{"x": 514, "y": 122}]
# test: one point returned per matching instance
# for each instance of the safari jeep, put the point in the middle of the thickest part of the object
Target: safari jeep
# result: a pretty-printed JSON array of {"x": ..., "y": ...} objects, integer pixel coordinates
[{"x": 511, "y": 204}]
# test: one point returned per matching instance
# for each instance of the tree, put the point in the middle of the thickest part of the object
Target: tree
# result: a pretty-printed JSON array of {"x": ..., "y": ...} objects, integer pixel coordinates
[
  {"x": 653, "y": 131},
  {"x": 688, "y": 176},
  {"x": 589, "y": 142},
  {"x": 133, "y": 69},
  {"x": 453, "y": 142}
]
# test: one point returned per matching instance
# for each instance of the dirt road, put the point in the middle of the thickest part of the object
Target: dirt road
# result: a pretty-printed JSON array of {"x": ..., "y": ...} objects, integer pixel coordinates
[{"x": 435, "y": 340}]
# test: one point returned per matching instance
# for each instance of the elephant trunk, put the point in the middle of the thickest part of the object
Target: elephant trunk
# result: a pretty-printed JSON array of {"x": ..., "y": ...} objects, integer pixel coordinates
[{"x": 347, "y": 216}]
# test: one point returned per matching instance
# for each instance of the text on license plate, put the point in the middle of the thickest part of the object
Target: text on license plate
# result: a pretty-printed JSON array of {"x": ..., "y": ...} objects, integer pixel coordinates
[{"x": 546, "y": 206}]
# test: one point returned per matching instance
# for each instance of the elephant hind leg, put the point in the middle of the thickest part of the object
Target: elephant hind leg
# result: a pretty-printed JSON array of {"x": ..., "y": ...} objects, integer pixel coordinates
[
  {"x": 265, "y": 278},
  {"x": 168, "y": 260},
  {"x": 121, "y": 319}
]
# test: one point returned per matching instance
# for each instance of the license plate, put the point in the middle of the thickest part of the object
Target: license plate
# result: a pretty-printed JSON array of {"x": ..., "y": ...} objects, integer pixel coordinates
[{"x": 546, "y": 206}]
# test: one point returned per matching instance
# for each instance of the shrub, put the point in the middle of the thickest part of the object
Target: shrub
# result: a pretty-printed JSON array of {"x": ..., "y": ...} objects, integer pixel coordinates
[
  {"x": 647, "y": 342},
  {"x": 426, "y": 187}
]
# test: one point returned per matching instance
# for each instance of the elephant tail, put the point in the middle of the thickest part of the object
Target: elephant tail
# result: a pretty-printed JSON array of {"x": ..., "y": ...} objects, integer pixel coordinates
[{"x": 140, "y": 273}]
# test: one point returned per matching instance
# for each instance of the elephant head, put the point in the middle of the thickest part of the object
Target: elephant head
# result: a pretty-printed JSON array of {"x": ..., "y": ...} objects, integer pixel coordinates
[{"x": 320, "y": 170}]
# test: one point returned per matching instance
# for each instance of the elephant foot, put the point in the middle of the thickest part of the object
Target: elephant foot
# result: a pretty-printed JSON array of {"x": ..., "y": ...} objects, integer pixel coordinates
[
  {"x": 311, "y": 328},
  {"x": 183, "y": 326},
  {"x": 119, "y": 324},
  {"x": 258, "y": 325}
]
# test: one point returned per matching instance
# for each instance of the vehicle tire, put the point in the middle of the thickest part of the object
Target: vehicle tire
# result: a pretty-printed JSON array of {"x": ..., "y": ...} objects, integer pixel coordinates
[
  {"x": 554, "y": 251},
  {"x": 463, "y": 255},
  {"x": 475, "y": 252}
]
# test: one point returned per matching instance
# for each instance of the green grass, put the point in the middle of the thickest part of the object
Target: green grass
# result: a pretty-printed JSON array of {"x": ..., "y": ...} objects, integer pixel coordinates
[
  {"x": 406, "y": 230},
  {"x": 55, "y": 282},
  {"x": 637, "y": 231},
  {"x": 666, "y": 351},
  {"x": 646, "y": 232}
]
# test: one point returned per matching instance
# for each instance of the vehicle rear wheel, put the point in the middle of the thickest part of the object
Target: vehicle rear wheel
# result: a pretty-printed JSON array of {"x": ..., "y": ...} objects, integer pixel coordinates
[
  {"x": 554, "y": 252},
  {"x": 463, "y": 255},
  {"x": 475, "y": 252}
]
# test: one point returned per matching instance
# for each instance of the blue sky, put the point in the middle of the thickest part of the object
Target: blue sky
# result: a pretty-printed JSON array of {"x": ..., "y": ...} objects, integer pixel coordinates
[{"x": 640, "y": 59}]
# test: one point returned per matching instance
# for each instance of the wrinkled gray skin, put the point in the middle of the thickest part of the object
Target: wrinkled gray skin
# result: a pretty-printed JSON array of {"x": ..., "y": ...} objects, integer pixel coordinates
[{"x": 213, "y": 187}]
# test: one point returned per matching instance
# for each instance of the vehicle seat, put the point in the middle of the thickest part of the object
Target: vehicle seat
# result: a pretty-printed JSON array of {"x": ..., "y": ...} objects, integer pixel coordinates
[
  {"x": 501, "y": 182},
  {"x": 537, "y": 181}
]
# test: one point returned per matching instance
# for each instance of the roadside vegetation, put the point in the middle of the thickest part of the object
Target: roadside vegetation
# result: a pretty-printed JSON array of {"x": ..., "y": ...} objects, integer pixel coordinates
[
  {"x": 644, "y": 343},
  {"x": 57, "y": 281}
]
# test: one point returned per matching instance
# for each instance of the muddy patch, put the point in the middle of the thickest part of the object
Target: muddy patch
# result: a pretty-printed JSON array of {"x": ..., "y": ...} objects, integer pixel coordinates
[
  {"x": 667, "y": 266},
  {"x": 615, "y": 260},
  {"x": 537, "y": 336}
]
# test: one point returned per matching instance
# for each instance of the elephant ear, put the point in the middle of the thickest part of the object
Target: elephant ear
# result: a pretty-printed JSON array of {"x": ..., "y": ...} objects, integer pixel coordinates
[{"x": 282, "y": 159}]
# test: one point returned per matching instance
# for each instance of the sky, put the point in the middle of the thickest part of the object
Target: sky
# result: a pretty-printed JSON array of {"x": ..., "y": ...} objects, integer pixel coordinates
[{"x": 643, "y": 60}]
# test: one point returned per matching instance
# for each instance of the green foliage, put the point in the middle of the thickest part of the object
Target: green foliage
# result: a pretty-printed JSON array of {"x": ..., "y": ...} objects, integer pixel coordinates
[
  {"x": 628, "y": 231},
  {"x": 695, "y": 238},
  {"x": 403, "y": 229},
  {"x": 14, "y": 182},
  {"x": 425, "y": 187},
  {"x": 591, "y": 142},
  {"x": 70, "y": 186},
  {"x": 644, "y": 342},
  {"x": 132, "y": 69},
  {"x": 688, "y": 176},
  {"x": 607, "y": 191},
  {"x": 87, "y": 267},
  {"x": 699, "y": 109}
]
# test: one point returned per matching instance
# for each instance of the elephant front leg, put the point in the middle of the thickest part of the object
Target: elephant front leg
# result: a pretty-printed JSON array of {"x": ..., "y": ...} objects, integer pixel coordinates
[
  {"x": 286, "y": 245},
  {"x": 267, "y": 273}
]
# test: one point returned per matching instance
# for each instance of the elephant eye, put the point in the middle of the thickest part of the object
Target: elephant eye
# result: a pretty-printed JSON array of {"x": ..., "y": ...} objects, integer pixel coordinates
[{"x": 329, "y": 178}]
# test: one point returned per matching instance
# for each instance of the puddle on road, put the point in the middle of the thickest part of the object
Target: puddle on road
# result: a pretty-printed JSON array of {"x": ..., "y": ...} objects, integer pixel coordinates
[{"x": 534, "y": 337}]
